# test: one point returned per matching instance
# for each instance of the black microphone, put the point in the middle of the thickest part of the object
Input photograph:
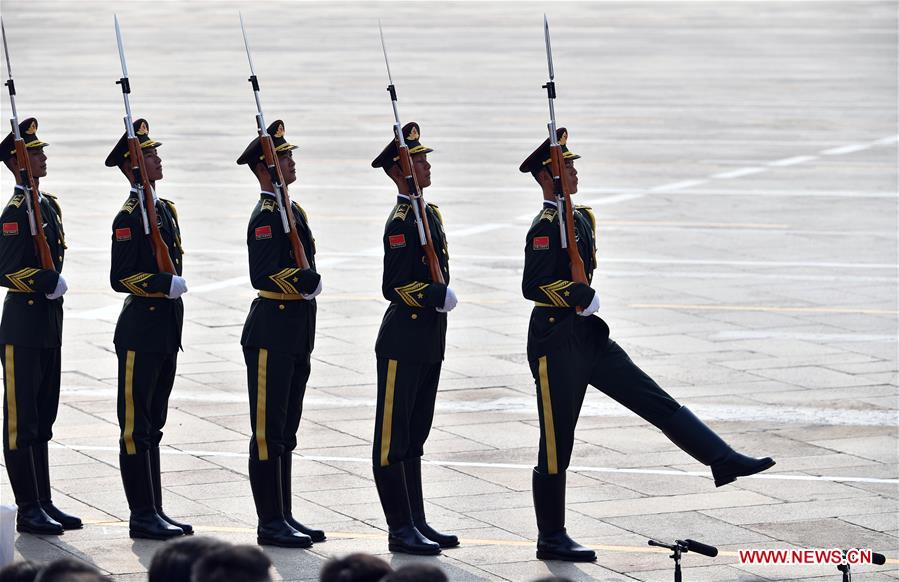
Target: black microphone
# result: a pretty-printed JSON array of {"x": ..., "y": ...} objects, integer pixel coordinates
[
  {"x": 878, "y": 559},
  {"x": 701, "y": 548}
]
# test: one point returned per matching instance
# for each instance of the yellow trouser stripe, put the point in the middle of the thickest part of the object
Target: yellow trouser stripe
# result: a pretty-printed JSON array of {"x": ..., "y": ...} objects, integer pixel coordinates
[
  {"x": 261, "y": 372},
  {"x": 128, "y": 435},
  {"x": 12, "y": 417},
  {"x": 549, "y": 428},
  {"x": 387, "y": 421}
]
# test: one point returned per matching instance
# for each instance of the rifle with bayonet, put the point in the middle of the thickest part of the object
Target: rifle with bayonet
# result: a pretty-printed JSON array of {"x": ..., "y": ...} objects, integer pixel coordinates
[
  {"x": 139, "y": 171},
  {"x": 23, "y": 161},
  {"x": 270, "y": 157},
  {"x": 419, "y": 208},
  {"x": 560, "y": 179}
]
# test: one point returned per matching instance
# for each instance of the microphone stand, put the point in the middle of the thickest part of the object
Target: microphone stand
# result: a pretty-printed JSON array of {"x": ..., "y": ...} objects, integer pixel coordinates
[{"x": 677, "y": 549}]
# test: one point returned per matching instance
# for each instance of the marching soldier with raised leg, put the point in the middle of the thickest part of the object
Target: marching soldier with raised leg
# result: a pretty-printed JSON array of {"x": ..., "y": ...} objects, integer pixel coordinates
[
  {"x": 31, "y": 331},
  {"x": 279, "y": 332},
  {"x": 569, "y": 347}
]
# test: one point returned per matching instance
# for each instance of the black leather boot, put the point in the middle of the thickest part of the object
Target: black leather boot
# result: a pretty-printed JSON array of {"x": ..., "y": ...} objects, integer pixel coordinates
[
  {"x": 273, "y": 530},
  {"x": 155, "y": 472},
  {"x": 317, "y": 535},
  {"x": 553, "y": 542},
  {"x": 402, "y": 535},
  {"x": 30, "y": 518},
  {"x": 417, "y": 505},
  {"x": 137, "y": 479},
  {"x": 703, "y": 444},
  {"x": 42, "y": 468}
]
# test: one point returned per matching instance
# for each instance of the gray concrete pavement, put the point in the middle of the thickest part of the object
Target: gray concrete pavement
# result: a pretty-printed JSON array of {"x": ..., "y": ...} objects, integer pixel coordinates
[{"x": 741, "y": 160}]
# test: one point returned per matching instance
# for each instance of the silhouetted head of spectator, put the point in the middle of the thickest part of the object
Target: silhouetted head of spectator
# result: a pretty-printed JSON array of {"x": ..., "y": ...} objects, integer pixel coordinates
[
  {"x": 19, "y": 572},
  {"x": 355, "y": 568},
  {"x": 554, "y": 579},
  {"x": 175, "y": 560},
  {"x": 233, "y": 564},
  {"x": 417, "y": 573},
  {"x": 70, "y": 570}
]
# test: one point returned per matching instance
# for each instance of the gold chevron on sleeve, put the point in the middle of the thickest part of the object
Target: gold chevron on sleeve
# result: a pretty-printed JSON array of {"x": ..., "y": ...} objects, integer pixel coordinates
[
  {"x": 136, "y": 283},
  {"x": 412, "y": 292},
  {"x": 22, "y": 279},
  {"x": 285, "y": 280},
  {"x": 556, "y": 292}
]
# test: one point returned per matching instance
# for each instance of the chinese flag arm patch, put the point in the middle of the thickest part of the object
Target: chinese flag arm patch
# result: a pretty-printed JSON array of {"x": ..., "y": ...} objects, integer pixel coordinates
[
  {"x": 122, "y": 234},
  {"x": 397, "y": 241},
  {"x": 541, "y": 243},
  {"x": 10, "y": 228},
  {"x": 263, "y": 232}
]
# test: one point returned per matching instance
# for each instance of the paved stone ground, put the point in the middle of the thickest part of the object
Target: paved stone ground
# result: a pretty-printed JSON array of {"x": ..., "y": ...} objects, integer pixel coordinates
[{"x": 741, "y": 159}]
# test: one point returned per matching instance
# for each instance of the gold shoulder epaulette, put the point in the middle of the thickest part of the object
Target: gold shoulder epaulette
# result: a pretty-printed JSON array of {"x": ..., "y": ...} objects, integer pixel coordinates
[
  {"x": 269, "y": 205},
  {"x": 129, "y": 205},
  {"x": 436, "y": 210},
  {"x": 589, "y": 212},
  {"x": 399, "y": 213},
  {"x": 171, "y": 206},
  {"x": 302, "y": 211},
  {"x": 548, "y": 214},
  {"x": 17, "y": 200},
  {"x": 54, "y": 203}
]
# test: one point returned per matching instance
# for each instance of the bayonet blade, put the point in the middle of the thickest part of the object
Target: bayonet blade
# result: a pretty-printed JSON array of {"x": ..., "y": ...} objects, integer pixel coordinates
[
  {"x": 6, "y": 51},
  {"x": 549, "y": 49},
  {"x": 384, "y": 48},
  {"x": 246, "y": 44},
  {"x": 121, "y": 45}
]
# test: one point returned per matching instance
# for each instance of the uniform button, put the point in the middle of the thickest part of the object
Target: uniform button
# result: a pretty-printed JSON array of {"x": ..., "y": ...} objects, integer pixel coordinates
[
  {"x": 176, "y": 261},
  {"x": 59, "y": 241},
  {"x": 281, "y": 306},
  {"x": 414, "y": 316},
  {"x": 552, "y": 319},
  {"x": 152, "y": 308},
  {"x": 60, "y": 257},
  {"x": 31, "y": 302}
]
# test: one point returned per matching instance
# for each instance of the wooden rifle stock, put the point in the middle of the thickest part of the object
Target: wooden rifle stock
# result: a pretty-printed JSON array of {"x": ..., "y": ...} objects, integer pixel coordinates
[
  {"x": 139, "y": 170},
  {"x": 41, "y": 246},
  {"x": 274, "y": 168},
  {"x": 415, "y": 196},
  {"x": 578, "y": 274}
]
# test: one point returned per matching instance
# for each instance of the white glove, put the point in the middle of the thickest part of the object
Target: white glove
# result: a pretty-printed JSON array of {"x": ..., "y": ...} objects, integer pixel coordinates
[
  {"x": 449, "y": 303},
  {"x": 178, "y": 288},
  {"x": 60, "y": 290},
  {"x": 315, "y": 293},
  {"x": 593, "y": 307}
]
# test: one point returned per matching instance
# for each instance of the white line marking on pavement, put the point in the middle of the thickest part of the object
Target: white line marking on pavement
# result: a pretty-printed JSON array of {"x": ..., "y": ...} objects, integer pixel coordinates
[
  {"x": 598, "y": 407},
  {"x": 792, "y": 161},
  {"x": 847, "y": 149},
  {"x": 887, "y": 140},
  {"x": 738, "y": 173},
  {"x": 472, "y": 230},
  {"x": 607, "y": 200},
  {"x": 678, "y": 185},
  {"x": 224, "y": 284},
  {"x": 814, "y": 337},
  {"x": 486, "y": 465}
]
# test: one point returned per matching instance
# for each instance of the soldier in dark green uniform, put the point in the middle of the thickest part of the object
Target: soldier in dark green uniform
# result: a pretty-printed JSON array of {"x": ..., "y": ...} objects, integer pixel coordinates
[
  {"x": 147, "y": 339},
  {"x": 277, "y": 341},
  {"x": 31, "y": 336},
  {"x": 409, "y": 349},
  {"x": 567, "y": 350}
]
